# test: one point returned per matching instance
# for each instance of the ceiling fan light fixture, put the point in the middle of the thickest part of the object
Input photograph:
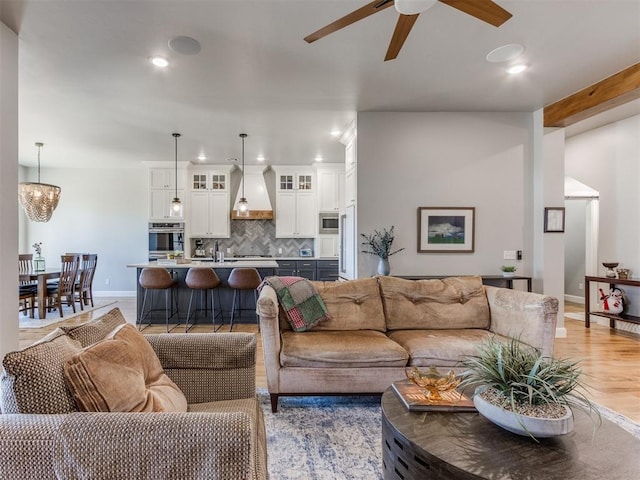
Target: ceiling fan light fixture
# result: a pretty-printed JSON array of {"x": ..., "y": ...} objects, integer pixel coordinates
[
  {"x": 505, "y": 53},
  {"x": 412, "y": 7}
]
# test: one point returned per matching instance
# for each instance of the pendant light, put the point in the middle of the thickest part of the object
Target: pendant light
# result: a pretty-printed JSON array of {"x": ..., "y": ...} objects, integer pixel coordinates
[
  {"x": 176, "y": 204},
  {"x": 39, "y": 200},
  {"x": 243, "y": 205}
]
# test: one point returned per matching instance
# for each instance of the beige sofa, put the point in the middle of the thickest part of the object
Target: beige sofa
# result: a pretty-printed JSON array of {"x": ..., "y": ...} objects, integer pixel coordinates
[
  {"x": 221, "y": 435},
  {"x": 380, "y": 325}
]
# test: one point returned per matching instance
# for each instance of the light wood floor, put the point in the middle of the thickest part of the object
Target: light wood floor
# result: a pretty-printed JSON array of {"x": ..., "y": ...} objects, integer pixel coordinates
[{"x": 610, "y": 359}]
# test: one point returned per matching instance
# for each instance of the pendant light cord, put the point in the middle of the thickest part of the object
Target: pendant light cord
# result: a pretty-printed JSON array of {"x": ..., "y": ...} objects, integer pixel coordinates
[
  {"x": 39, "y": 145},
  {"x": 243, "y": 164},
  {"x": 176, "y": 135}
]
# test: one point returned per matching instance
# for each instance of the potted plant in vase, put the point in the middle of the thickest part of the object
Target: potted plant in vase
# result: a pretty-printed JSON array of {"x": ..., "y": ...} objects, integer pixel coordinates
[
  {"x": 379, "y": 243},
  {"x": 523, "y": 392},
  {"x": 508, "y": 270}
]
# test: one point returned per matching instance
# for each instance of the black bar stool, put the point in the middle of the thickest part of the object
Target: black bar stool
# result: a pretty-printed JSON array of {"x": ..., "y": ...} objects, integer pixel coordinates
[
  {"x": 204, "y": 281},
  {"x": 243, "y": 279},
  {"x": 157, "y": 279}
]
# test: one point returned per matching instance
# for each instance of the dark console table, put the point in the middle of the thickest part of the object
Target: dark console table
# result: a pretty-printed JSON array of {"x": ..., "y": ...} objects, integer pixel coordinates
[
  {"x": 466, "y": 446},
  {"x": 492, "y": 280},
  {"x": 612, "y": 283}
]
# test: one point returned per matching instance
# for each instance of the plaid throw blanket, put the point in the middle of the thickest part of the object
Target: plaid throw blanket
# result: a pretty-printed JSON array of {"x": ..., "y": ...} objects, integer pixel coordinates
[{"x": 300, "y": 301}]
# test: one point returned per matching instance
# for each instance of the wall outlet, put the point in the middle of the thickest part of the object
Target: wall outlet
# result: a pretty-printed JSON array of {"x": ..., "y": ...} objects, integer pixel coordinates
[
  {"x": 280, "y": 251},
  {"x": 228, "y": 250},
  {"x": 107, "y": 281},
  {"x": 509, "y": 255},
  {"x": 581, "y": 286}
]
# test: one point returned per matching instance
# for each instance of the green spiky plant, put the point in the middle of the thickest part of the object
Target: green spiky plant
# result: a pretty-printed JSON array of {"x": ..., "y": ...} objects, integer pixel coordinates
[
  {"x": 521, "y": 380},
  {"x": 508, "y": 268}
]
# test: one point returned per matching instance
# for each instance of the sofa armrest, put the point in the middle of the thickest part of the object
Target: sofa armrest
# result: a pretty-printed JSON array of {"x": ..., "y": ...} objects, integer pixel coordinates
[
  {"x": 529, "y": 317},
  {"x": 268, "y": 309},
  {"x": 222, "y": 445},
  {"x": 26, "y": 445},
  {"x": 209, "y": 366}
]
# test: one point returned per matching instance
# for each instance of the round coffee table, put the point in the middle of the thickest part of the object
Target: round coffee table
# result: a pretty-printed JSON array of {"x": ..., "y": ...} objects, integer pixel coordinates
[{"x": 450, "y": 446}]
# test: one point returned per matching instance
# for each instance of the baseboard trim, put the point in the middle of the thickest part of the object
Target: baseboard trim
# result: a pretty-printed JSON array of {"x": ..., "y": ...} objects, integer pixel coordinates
[
  {"x": 113, "y": 293},
  {"x": 574, "y": 299}
]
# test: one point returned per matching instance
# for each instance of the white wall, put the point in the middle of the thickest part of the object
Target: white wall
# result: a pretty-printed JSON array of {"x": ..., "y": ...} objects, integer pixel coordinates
[
  {"x": 8, "y": 188},
  {"x": 607, "y": 159},
  {"x": 103, "y": 211},
  {"x": 574, "y": 247},
  {"x": 411, "y": 160}
]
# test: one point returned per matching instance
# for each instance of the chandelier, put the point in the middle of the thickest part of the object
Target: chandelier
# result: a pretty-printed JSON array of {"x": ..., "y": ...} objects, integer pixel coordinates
[{"x": 39, "y": 200}]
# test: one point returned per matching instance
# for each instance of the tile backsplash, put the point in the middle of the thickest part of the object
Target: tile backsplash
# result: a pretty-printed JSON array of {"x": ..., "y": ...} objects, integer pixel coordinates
[{"x": 257, "y": 237}]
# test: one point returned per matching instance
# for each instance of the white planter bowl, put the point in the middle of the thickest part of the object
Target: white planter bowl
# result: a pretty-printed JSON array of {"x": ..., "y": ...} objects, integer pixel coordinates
[{"x": 522, "y": 424}]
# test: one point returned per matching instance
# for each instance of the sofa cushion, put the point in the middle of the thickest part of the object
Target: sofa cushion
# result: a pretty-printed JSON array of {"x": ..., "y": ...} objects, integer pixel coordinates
[
  {"x": 95, "y": 330},
  {"x": 340, "y": 349},
  {"x": 32, "y": 380},
  {"x": 449, "y": 303},
  {"x": 122, "y": 374},
  {"x": 440, "y": 348},
  {"x": 352, "y": 305}
]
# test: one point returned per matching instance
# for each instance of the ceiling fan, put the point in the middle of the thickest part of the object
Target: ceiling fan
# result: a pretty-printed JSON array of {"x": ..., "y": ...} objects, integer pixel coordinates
[{"x": 409, "y": 10}]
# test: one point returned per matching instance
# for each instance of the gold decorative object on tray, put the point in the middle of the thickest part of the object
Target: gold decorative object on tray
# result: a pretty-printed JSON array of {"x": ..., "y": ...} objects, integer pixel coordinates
[{"x": 431, "y": 382}]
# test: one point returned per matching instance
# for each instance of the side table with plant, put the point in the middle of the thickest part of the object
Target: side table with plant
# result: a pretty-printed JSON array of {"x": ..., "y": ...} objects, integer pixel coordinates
[{"x": 379, "y": 243}]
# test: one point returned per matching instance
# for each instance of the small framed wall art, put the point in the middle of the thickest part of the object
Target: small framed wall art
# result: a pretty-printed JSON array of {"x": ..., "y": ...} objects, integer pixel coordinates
[
  {"x": 554, "y": 219},
  {"x": 446, "y": 229}
]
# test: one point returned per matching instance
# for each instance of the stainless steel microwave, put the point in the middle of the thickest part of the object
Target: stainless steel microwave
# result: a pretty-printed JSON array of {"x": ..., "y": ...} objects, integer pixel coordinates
[{"x": 329, "y": 223}]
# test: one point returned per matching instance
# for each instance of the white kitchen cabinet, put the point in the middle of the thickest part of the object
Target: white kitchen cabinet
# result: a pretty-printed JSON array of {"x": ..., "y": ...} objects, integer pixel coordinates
[
  {"x": 296, "y": 210},
  {"x": 328, "y": 246},
  {"x": 165, "y": 178},
  {"x": 209, "y": 208},
  {"x": 209, "y": 214},
  {"x": 160, "y": 203},
  {"x": 331, "y": 189}
]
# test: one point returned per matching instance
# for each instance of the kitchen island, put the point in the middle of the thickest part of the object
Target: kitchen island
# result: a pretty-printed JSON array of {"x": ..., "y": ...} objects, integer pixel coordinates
[{"x": 265, "y": 267}]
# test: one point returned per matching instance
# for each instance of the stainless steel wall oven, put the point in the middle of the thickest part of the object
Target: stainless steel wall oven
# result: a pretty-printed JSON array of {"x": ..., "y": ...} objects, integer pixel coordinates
[{"x": 165, "y": 238}]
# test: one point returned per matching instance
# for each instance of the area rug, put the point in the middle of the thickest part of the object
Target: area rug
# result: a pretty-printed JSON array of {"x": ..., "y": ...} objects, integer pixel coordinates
[
  {"x": 54, "y": 316},
  {"x": 321, "y": 438},
  {"x": 338, "y": 438}
]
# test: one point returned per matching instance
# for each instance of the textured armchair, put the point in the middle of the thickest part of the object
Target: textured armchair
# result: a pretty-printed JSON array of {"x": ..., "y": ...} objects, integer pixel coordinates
[{"x": 222, "y": 436}]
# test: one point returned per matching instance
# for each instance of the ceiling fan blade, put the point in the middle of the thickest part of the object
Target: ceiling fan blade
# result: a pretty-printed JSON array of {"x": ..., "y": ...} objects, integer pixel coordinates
[
  {"x": 400, "y": 34},
  {"x": 484, "y": 10},
  {"x": 363, "y": 12}
]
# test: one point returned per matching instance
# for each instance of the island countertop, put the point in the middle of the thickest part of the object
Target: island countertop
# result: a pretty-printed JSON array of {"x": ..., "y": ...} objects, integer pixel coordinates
[{"x": 231, "y": 263}]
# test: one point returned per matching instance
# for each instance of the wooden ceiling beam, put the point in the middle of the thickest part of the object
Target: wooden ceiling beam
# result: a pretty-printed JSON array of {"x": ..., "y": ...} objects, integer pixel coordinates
[{"x": 611, "y": 92}]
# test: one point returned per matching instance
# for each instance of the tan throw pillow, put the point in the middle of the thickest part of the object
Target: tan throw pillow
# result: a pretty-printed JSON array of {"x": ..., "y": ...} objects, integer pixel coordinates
[
  {"x": 97, "y": 329},
  {"x": 33, "y": 381},
  {"x": 122, "y": 374}
]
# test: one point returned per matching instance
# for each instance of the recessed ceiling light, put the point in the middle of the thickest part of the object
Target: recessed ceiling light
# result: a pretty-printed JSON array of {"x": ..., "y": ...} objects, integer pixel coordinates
[
  {"x": 184, "y": 45},
  {"x": 202, "y": 158},
  {"x": 335, "y": 133},
  {"x": 319, "y": 158},
  {"x": 159, "y": 61},
  {"x": 260, "y": 158},
  {"x": 505, "y": 53},
  {"x": 518, "y": 68}
]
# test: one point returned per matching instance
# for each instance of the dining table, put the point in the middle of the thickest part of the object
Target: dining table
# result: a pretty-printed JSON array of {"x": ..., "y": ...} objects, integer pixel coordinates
[{"x": 41, "y": 277}]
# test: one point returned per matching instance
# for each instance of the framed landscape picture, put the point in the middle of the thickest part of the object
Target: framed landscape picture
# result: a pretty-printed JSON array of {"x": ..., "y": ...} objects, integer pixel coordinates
[{"x": 446, "y": 229}]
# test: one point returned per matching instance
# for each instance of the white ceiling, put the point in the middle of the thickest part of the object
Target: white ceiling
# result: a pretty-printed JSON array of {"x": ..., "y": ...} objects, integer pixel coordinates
[{"x": 88, "y": 91}]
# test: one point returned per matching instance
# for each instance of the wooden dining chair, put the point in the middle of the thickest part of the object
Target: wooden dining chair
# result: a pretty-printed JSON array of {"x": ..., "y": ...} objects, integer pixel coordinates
[
  {"x": 27, "y": 289},
  {"x": 84, "y": 285},
  {"x": 65, "y": 287}
]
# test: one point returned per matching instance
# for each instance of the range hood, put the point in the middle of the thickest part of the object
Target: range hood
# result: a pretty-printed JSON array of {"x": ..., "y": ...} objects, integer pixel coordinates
[{"x": 255, "y": 189}]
